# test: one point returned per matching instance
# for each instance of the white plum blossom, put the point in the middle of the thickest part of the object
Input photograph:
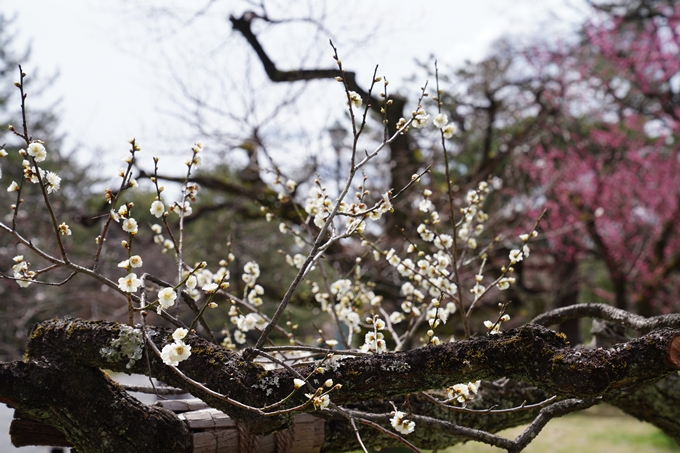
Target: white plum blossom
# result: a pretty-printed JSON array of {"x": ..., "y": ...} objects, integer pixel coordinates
[
  {"x": 130, "y": 283},
  {"x": 239, "y": 337},
  {"x": 254, "y": 295},
  {"x": 210, "y": 287},
  {"x": 405, "y": 268},
  {"x": 291, "y": 185},
  {"x": 166, "y": 299},
  {"x": 157, "y": 209},
  {"x": 174, "y": 353},
  {"x": 319, "y": 402},
  {"x": 515, "y": 256},
  {"x": 374, "y": 342},
  {"x": 440, "y": 120},
  {"x": 425, "y": 234},
  {"x": 396, "y": 317},
  {"x": 401, "y": 423},
  {"x": 130, "y": 225},
  {"x": 341, "y": 287},
  {"x": 449, "y": 130},
  {"x": 179, "y": 334},
  {"x": 354, "y": 99},
  {"x": 52, "y": 182},
  {"x": 477, "y": 290},
  {"x": 420, "y": 118},
  {"x": 443, "y": 241},
  {"x": 251, "y": 271},
  {"x": 250, "y": 321},
  {"x": 386, "y": 205},
  {"x": 37, "y": 151},
  {"x": 64, "y": 229},
  {"x": 425, "y": 205},
  {"x": 493, "y": 328},
  {"x": 463, "y": 393},
  {"x": 505, "y": 282}
]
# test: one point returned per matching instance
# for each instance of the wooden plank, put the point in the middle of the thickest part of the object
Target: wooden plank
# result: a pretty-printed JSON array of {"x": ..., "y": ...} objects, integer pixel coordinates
[
  {"x": 207, "y": 419},
  {"x": 224, "y": 441},
  {"x": 267, "y": 444},
  {"x": 25, "y": 432},
  {"x": 191, "y": 404}
]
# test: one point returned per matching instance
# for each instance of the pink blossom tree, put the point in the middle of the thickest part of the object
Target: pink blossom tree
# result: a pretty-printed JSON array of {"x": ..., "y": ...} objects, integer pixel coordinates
[{"x": 606, "y": 166}]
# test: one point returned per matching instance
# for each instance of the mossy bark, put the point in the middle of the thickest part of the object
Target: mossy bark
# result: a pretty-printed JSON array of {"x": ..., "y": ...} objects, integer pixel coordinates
[{"x": 60, "y": 383}]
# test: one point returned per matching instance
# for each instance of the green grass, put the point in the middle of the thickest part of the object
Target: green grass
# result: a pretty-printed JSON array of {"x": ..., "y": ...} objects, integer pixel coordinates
[{"x": 601, "y": 429}]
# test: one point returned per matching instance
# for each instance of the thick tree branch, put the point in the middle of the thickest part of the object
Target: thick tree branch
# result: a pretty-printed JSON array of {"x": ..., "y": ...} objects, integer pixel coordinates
[
  {"x": 532, "y": 354},
  {"x": 609, "y": 313},
  {"x": 243, "y": 24},
  {"x": 94, "y": 412}
]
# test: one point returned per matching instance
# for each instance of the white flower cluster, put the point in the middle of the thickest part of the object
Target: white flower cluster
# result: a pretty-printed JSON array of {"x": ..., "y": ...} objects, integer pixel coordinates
[
  {"x": 133, "y": 261},
  {"x": 473, "y": 215},
  {"x": 37, "y": 151},
  {"x": 206, "y": 280},
  {"x": 318, "y": 205},
  {"x": 177, "y": 351},
  {"x": 32, "y": 173},
  {"x": 348, "y": 296},
  {"x": 420, "y": 119},
  {"x": 430, "y": 274},
  {"x": 517, "y": 255},
  {"x": 195, "y": 160},
  {"x": 436, "y": 315},
  {"x": 375, "y": 341},
  {"x": 21, "y": 272},
  {"x": 184, "y": 209},
  {"x": 246, "y": 323},
  {"x": 296, "y": 261},
  {"x": 129, "y": 224},
  {"x": 254, "y": 295},
  {"x": 319, "y": 401},
  {"x": 462, "y": 393},
  {"x": 494, "y": 328},
  {"x": 344, "y": 296},
  {"x": 441, "y": 121},
  {"x": 158, "y": 238},
  {"x": 402, "y": 424}
]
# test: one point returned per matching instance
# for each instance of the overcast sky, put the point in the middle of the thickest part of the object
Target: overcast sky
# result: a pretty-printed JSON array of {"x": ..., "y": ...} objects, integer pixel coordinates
[{"x": 119, "y": 62}]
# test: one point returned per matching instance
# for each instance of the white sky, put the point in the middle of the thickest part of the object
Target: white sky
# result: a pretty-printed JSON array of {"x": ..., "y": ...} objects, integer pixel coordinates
[{"x": 118, "y": 64}]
